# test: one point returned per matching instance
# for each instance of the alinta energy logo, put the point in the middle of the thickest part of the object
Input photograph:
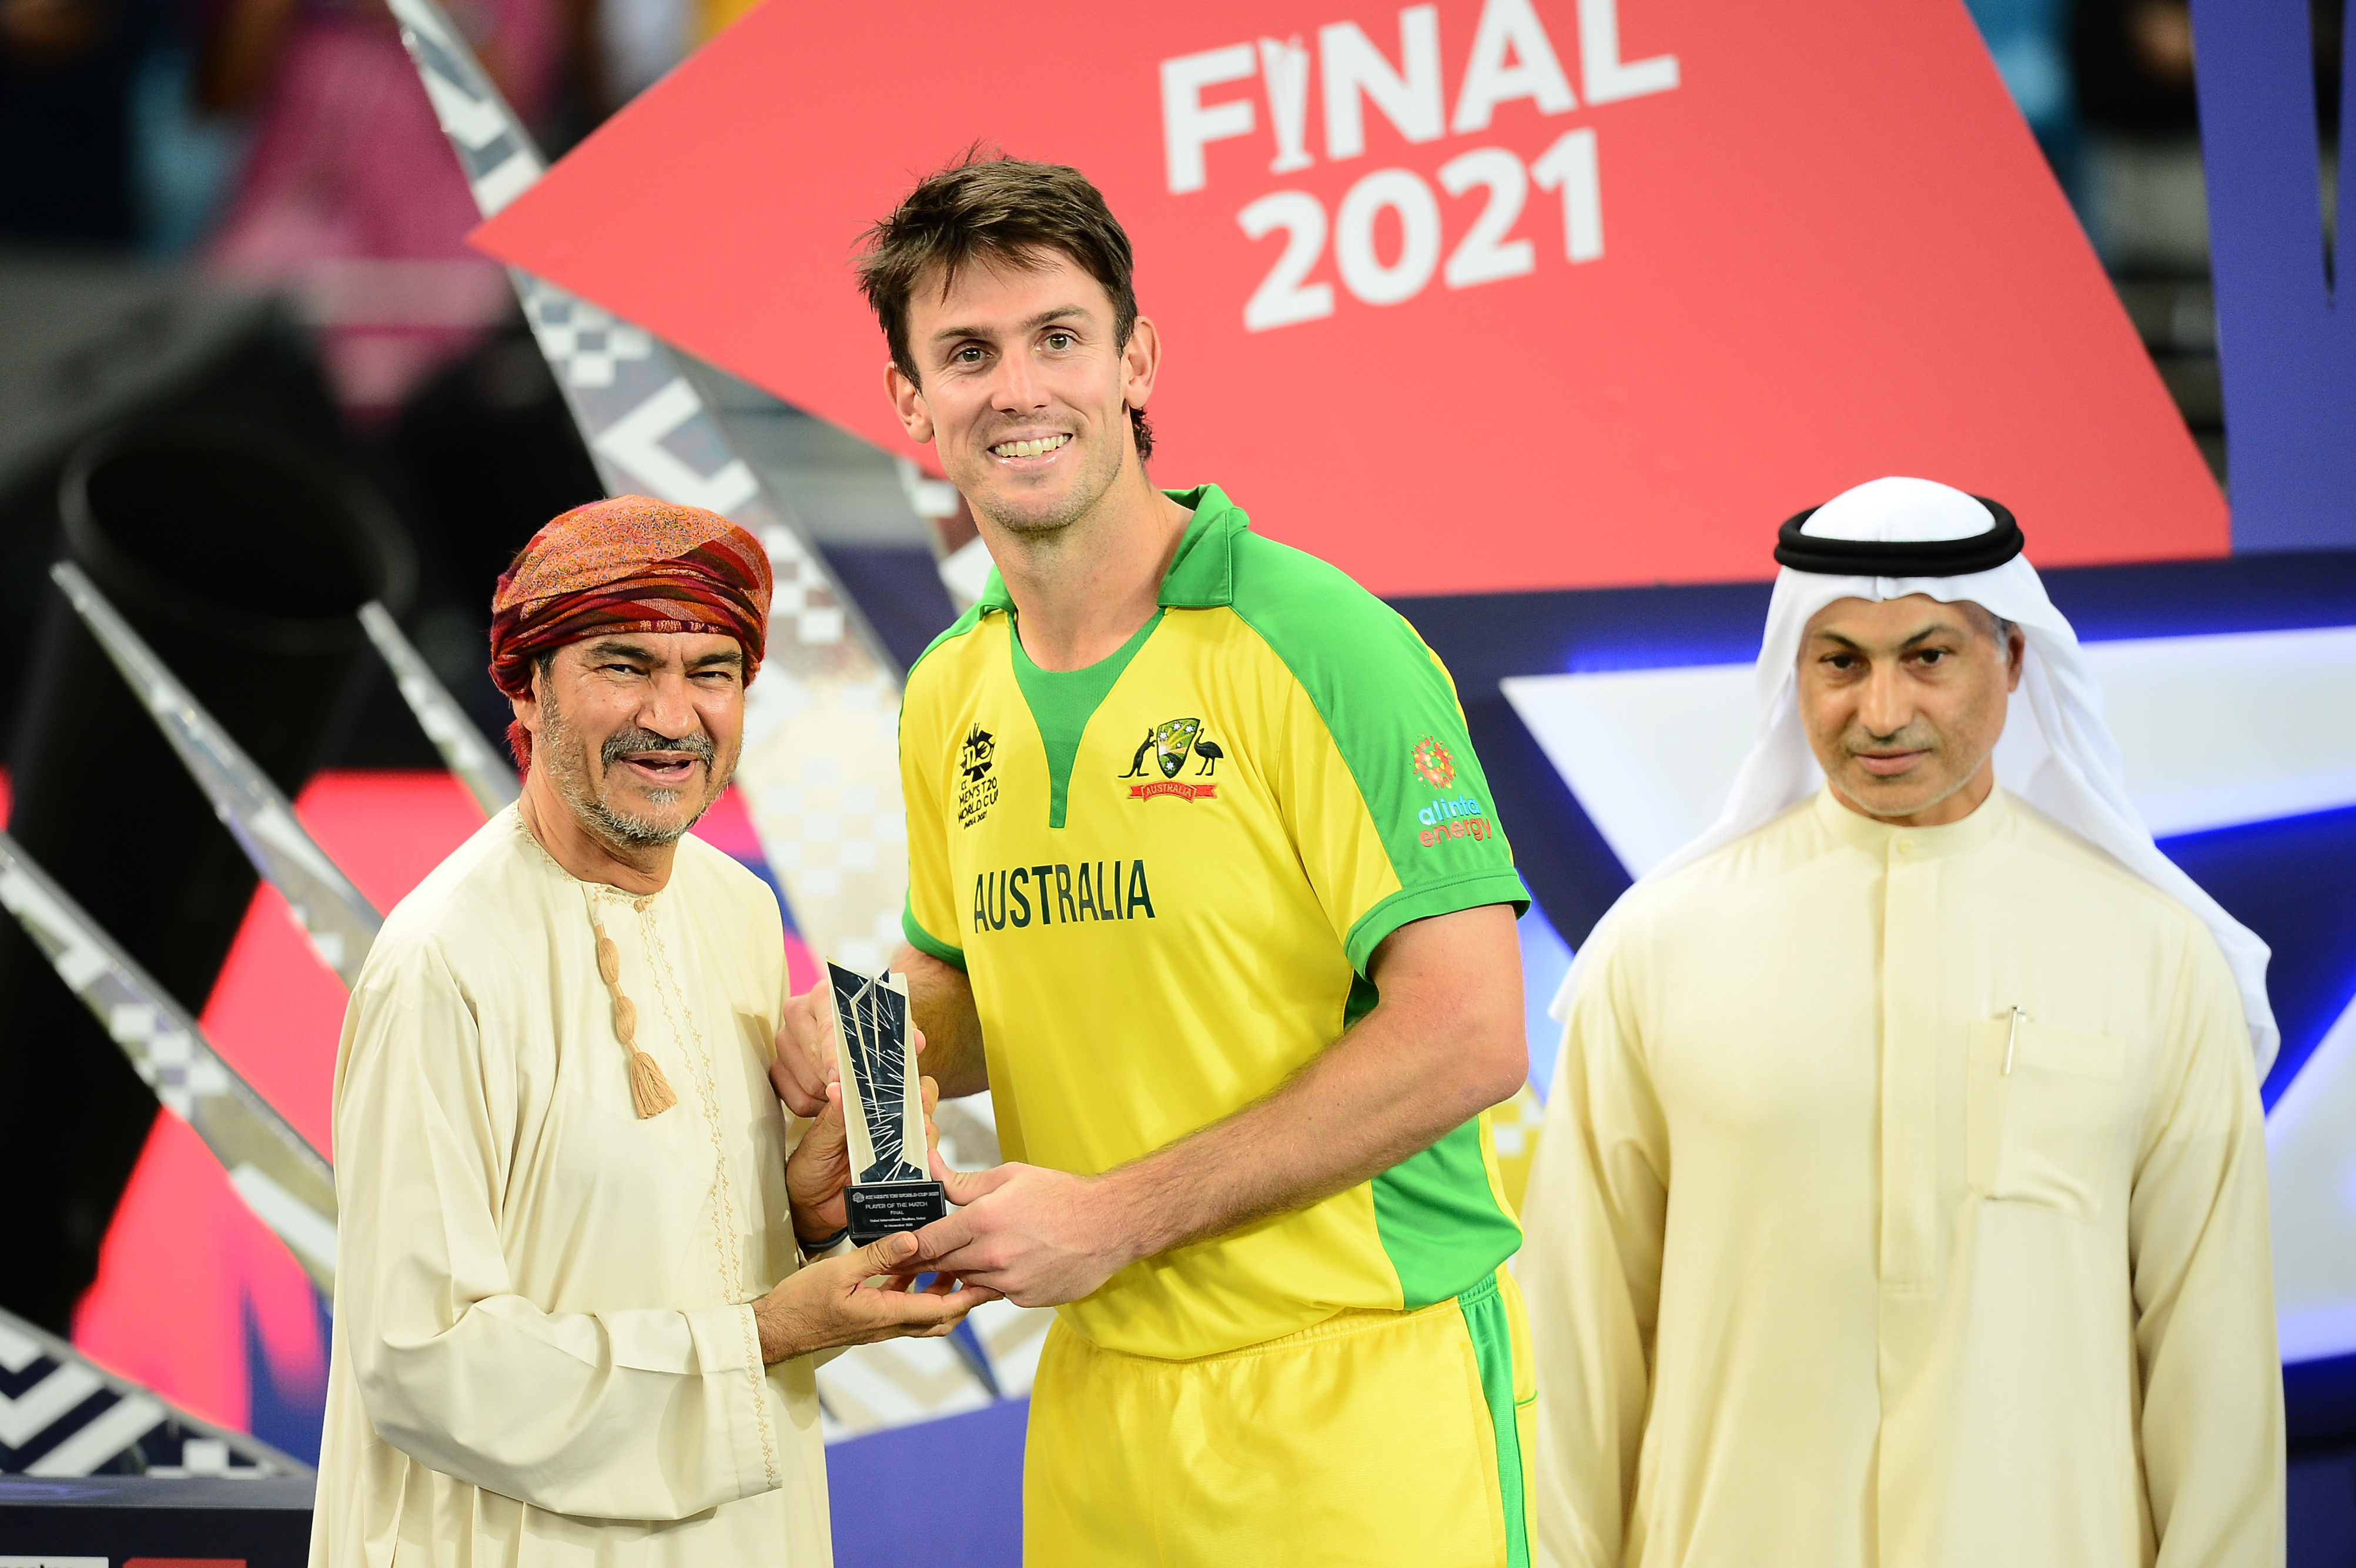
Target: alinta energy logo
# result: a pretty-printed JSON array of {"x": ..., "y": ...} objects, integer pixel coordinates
[
  {"x": 977, "y": 785},
  {"x": 1443, "y": 820},
  {"x": 1169, "y": 744}
]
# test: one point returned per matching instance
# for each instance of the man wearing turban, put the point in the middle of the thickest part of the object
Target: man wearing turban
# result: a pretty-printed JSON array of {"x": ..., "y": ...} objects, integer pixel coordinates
[
  {"x": 1902, "y": 1199},
  {"x": 576, "y": 1305}
]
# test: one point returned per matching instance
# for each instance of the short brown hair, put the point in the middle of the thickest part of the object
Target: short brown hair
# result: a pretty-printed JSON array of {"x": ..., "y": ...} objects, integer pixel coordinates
[{"x": 1007, "y": 212}]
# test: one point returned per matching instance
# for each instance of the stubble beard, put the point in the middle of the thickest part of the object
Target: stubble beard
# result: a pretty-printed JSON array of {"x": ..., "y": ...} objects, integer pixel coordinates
[
  {"x": 1937, "y": 749},
  {"x": 569, "y": 771},
  {"x": 1045, "y": 527}
]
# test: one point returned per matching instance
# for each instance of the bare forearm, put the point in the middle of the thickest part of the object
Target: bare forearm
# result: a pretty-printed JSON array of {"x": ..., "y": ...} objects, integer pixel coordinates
[
  {"x": 942, "y": 999},
  {"x": 1445, "y": 1041},
  {"x": 1370, "y": 1101}
]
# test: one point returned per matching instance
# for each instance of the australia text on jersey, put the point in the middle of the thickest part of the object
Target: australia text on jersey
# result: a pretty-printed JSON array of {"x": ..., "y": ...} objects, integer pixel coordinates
[{"x": 1059, "y": 893}]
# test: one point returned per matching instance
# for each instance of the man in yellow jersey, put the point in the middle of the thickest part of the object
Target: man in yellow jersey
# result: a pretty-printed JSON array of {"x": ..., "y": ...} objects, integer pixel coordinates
[{"x": 1205, "y": 888}]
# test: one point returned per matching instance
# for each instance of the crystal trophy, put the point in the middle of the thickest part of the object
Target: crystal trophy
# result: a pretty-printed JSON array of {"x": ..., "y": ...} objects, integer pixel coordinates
[{"x": 883, "y": 1107}]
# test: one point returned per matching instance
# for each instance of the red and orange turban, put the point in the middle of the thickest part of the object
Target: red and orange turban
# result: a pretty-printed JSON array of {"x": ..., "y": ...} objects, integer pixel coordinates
[{"x": 629, "y": 564}]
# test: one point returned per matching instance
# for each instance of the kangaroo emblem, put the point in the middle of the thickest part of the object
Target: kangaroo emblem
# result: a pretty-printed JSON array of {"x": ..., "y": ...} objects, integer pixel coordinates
[{"x": 1136, "y": 763}]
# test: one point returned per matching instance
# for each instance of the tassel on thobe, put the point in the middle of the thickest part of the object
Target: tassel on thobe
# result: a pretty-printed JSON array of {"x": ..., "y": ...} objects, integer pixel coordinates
[{"x": 651, "y": 1092}]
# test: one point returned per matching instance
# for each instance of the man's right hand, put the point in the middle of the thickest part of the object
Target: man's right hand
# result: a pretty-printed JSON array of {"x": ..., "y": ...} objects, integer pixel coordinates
[
  {"x": 831, "y": 1303},
  {"x": 804, "y": 1063}
]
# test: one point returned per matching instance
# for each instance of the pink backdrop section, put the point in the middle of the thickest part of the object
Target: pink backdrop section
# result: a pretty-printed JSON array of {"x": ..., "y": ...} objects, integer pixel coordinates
[
  {"x": 188, "y": 1276},
  {"x": 1830, "y": 252}
]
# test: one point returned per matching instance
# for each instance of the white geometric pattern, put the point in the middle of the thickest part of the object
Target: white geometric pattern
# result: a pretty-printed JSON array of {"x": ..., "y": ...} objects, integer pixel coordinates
[
  {"x": 166, "y": 1056},
  {"x": 809, "y": 606},
  {"x": 641, "y": 442},
  {"x": 826, "y": 696},
  {"x": 122, "y": 1424},
  {"x": 826, "y": 699},
  {"x": 60, "y": 1415},
  {"x": 488, "y": 776},
  {"x": 38, "y": 1407},
  {"x": 170, "y": 1054},
  {"x": 871, "y": 1388},
  {"x": 586, "y": 345},
  {"x": 327, "y": 909},
  {"x": 805, "y": 606}
]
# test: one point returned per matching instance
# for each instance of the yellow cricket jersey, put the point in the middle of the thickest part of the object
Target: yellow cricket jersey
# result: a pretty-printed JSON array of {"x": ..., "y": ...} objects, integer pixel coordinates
[{"x": 1165, "y": 875}]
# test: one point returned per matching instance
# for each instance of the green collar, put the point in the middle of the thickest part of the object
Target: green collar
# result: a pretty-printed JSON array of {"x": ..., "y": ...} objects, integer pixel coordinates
[{"x": 1201, "y": 576}]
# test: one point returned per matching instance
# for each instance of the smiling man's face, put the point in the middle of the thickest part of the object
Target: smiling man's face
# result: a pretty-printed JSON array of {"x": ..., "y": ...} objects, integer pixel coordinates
[
  {"x": 639, "y": 731},
  {"x": 1023, "y": 391},
  {"x": 1903, "y": 700}
]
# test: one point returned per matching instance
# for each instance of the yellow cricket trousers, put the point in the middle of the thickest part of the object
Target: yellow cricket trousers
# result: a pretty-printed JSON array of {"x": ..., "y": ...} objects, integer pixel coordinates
[{"x": 1373, "y": 1438}]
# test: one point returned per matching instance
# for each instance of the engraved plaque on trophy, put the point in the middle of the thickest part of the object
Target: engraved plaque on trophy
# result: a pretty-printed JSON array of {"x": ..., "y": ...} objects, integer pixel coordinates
[{"x": 883, "y": 1107}]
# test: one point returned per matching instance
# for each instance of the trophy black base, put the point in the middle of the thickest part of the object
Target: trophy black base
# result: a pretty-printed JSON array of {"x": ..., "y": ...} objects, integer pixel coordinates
[{"x": 881, "y": 1208}]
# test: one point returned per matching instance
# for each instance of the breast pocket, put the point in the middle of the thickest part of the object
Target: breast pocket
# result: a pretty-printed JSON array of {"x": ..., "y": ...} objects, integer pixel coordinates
[{"x": 2043, "y": 1133}]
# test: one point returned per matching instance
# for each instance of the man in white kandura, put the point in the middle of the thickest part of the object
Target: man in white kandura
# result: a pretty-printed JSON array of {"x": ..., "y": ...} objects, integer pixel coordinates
[
  {"x": 574, "y": 1313},
  {"x": 1901, "y": 1200}
]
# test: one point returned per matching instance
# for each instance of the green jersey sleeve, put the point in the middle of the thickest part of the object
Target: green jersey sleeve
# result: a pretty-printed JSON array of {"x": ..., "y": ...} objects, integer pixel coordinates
[
  {"x": 927, "y": 752},
  {"x": 1391, "y": 809}
]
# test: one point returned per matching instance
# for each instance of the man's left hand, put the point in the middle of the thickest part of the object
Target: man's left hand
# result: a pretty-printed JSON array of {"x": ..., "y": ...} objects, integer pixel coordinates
[
  {"x": 820, "y": 1167},
  {"x": 1037, "y": 1237}
]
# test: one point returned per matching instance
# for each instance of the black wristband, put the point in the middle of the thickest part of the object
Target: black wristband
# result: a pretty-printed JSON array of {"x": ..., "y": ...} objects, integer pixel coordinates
[{"x": 823, "y": 1244}]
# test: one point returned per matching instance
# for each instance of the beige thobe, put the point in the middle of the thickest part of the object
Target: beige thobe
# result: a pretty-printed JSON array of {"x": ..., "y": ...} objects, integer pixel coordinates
[
  {"x": 543, "y": 1352},
  {"x": 1816, "y": 1280}
]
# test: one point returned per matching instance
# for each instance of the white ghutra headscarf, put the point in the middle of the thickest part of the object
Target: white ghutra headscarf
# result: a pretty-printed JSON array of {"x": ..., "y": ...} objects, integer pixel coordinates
[{"x": 2056, "y": 752}]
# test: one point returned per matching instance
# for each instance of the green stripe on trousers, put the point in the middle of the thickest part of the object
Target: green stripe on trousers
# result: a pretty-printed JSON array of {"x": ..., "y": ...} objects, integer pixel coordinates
[{"x": 1491, "y": 1327}]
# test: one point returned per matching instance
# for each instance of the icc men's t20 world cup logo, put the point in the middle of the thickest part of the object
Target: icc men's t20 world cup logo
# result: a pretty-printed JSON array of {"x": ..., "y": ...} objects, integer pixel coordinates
[{"x": 977, "y": 786}]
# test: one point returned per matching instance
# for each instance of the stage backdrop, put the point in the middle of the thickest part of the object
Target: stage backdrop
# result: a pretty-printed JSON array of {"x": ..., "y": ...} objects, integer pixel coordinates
[{"x": 1470, "y": 296}]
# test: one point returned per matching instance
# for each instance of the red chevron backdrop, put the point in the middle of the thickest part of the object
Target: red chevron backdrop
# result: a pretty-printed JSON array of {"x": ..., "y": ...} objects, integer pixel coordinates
[{"x": 1480, "y": 295}]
